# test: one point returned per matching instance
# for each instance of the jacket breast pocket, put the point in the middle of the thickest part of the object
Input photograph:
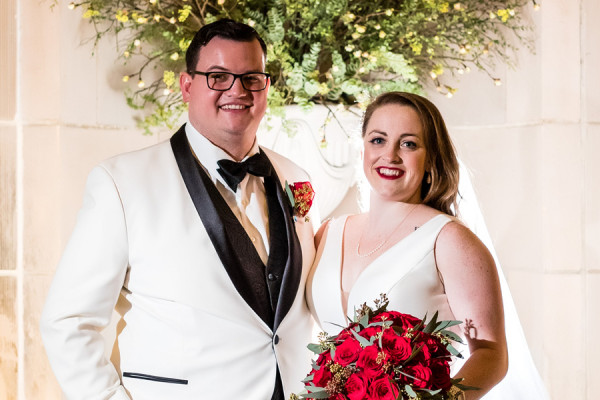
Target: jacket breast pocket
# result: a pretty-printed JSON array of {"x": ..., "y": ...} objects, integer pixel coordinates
[{"x": 154, "y": 378}]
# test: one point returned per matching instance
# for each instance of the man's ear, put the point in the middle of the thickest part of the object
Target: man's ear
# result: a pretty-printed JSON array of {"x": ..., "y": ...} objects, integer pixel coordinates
[{"x": 185, "y": 83}]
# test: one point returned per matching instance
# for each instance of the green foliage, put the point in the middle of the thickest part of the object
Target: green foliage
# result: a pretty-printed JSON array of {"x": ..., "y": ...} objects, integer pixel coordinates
[{"x": 319, "y": 51}]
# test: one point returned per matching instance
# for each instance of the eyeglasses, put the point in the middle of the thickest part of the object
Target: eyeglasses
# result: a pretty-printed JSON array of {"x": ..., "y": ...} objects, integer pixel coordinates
[{"x": 222, "y": 81}]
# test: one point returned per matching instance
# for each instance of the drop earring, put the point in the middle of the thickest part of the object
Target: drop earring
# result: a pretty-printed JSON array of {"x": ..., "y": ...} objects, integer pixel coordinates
[{"x": 428, "y": 179}]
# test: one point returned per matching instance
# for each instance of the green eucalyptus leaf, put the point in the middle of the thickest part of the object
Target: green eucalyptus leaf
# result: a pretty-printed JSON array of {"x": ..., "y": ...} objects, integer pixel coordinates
[
  {"x": 315, "y": 348},
  {"x": 363, "y": 342}
]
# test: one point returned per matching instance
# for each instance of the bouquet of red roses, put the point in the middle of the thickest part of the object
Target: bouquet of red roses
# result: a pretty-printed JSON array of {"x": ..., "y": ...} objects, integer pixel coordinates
[{"x": 384, "y": 355}]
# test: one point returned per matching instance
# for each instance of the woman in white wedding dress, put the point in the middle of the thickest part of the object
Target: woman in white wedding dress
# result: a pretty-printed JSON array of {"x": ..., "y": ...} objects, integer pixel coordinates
[{"x": 409, "y": 245}]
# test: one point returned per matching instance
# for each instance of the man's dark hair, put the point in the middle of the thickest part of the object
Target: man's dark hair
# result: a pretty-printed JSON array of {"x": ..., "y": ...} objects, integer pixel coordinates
[{"x": 225, "y": 29}]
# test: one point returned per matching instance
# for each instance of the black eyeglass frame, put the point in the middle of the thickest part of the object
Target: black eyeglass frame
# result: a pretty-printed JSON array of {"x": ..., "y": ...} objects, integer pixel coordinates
[{"x": 235, "y": 76}]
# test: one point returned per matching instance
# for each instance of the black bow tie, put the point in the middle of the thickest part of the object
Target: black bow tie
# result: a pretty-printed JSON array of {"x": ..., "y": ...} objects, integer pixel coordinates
[{"x": 234, "y": 172}]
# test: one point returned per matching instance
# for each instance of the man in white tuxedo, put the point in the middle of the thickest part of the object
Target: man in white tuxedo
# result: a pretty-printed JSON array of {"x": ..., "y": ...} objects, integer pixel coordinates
[{"x": 195, "y": 243}]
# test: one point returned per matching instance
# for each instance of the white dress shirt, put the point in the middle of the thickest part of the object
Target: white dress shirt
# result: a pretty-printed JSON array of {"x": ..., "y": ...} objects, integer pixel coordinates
[{"x": 249, "y": 202}]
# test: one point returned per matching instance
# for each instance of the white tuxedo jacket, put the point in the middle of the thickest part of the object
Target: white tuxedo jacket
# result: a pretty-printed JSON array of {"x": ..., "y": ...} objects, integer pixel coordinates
[{"x": 186, "y": 333}]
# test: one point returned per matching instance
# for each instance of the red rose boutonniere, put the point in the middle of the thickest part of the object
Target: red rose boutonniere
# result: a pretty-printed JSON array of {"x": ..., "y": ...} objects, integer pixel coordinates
[{"x": 301, "y": 196}]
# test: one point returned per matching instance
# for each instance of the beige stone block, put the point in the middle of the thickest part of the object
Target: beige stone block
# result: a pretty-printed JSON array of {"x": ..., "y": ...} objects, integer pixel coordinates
[
  {"x": 560, "y": 58},
  {"x": 477, "y": 102},
  {"x": 112, "y": 108},
  {"x": 529, "y": 301},
  {"x": 591, "y": 238},
  {"x": 40, "y": 382},
  {"x": 562, "y": 206},
  {"x": 40, "y": 60},
  {"x": 81, "y": 149},
  {"x": 504, "y": 165},
  {"x": 8, "y": 337},
  {"x": 78, "y": 69},
  {"x": 591, "y": 59},
  {"x": 523, "y": 83},
  {"x": 8, "y": 205},
  {"x": 593, "y": 325},
  {"x": 41, "y": 198},
  {"x": 8, "y": 59},
  {"x": 564, "y": 336}
]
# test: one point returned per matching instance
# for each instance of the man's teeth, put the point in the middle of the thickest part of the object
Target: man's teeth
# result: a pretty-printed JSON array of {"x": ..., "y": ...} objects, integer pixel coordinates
[
  {"x": 233, "y": 107},
  {"x": 389, "y": 172}
]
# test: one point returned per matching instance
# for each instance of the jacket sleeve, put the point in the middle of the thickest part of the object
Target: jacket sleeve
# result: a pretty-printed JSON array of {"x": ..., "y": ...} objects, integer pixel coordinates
[{"x": 84, "y": 292}]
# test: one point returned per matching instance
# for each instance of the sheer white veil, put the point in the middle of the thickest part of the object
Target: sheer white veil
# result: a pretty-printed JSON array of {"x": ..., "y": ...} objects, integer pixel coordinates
[{"x": 522, "y": 381}]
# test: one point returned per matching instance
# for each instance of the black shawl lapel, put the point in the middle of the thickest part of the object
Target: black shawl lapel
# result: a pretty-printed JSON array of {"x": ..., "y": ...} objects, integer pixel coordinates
[
  {"x": 236, "y": 255},
  {"x": 293, "y": 266}
]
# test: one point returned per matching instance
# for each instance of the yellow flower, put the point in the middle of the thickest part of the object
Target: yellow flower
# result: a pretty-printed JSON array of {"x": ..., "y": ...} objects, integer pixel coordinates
[
  {"x": 444, "y": 7},
  {"x": 141, "y": 84},
  {"x": 184, "y": 44},
  {"x": 125, "y": 78},
  {"x": 323, "y": 88},
  {"x": 142, "y": 20},
  {"x": 89, "y": 13},
  {"x": 416, "y": 48},
  {"x": 355, "y": 35},
  {"x": 184, "y": 13},
  {"x": 121, "y": 16},
  {"x": 221, "y": 2},
  {"x": 388, "y": 12},
  {"x": 504, "y": 14},
  {"x": 174, "y": 56},
  {"x": 157, "y": 17},
  {"x": 360, "y": 29},
  {"x": 382, "y": 34},
  {"x": 169, "y": 78}
]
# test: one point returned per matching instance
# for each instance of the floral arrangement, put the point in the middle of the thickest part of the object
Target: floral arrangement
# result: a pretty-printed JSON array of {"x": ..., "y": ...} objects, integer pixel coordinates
[
  {"x": 301, "y": 195},
  {"x": 384, "y": 355},
  {"x": 333, "y": 52}
]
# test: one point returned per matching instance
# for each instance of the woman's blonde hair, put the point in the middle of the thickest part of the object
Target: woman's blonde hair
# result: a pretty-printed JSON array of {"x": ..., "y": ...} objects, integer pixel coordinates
[{"x": 441, "y": 193}]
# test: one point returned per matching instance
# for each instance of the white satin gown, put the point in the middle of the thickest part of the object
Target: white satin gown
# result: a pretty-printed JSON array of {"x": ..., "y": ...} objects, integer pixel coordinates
[{"x": 408, "y": 274}]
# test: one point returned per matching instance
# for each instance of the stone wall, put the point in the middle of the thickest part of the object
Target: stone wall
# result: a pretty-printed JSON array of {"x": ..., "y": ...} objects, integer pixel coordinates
[{"x": 531, "y": 145}]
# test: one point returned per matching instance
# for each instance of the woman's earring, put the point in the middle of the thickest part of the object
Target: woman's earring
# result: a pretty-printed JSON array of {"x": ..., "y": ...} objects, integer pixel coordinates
[{"x": 428, "y": 179}]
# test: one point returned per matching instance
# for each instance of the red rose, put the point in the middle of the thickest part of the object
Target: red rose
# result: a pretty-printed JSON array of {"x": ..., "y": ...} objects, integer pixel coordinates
[
  {"x": 421, "y": 375},
  {"x": 322, "y": 376},
  {"x": 343, "y": 335},
  {"x": 383, "y": 388},
  {"x": 396, "y": 346},
  {"x": 440, "y": 375},
  {"x": 356, "y": 387},
  {"x": 347, "y": 352},
  {"x": 369, "y": 332},
  {"x": 404, "y": 321},
  {"x": 367, "y": 361},
  {"x": 303, "y": 197},
  {"x": 424, "y": 354},
  {"x": 324, "y": 358}
]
